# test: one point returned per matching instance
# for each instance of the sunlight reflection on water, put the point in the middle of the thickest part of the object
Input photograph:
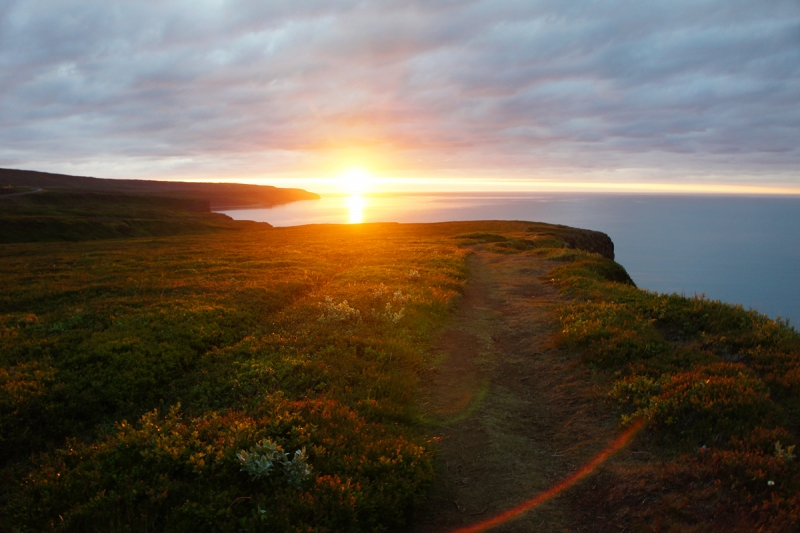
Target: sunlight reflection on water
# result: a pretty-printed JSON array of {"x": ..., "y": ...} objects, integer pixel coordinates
[{"x": 355, "y": 204}]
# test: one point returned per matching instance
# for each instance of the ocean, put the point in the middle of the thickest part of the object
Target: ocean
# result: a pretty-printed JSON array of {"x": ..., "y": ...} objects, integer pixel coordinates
[{"x": 738, "y": 249}]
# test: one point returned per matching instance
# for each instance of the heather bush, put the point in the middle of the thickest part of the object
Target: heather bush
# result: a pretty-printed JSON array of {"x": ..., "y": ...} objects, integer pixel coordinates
[
  {"x": 263, "y": 382},
  {"x": 609, "y": 334},
  {"x": 707, "y": 404},
  {"x": 159, "y": 472},
  {"x": 708, "y": 376}
]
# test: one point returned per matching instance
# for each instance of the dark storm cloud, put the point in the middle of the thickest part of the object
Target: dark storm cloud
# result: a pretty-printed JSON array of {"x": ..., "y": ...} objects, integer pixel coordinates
[{"x": 705, "y": 86}]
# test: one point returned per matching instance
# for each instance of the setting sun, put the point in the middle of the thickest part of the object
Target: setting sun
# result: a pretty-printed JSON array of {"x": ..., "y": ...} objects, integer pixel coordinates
[{"x": 356, "y": 181}]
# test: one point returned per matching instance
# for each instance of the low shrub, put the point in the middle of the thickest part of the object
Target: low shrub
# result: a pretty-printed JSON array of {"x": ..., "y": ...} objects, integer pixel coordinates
[
  {"x": 710, "y": 377},
  {"x": 707, "y": 404},
  {"x": 294, "y": 356},
  {"x": 482, "y": 237},
  {"x": 158, "y": 473},
  {"x": 591, "y": 267},
  {"x": 609, "y": 334}
]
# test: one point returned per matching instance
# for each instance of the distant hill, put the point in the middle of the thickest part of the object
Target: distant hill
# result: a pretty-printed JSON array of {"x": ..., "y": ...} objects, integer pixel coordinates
[
  {"x": 218, "y": 195},
  {"x": 41, "y": 207},
  {"x": 44, "y": 215}
]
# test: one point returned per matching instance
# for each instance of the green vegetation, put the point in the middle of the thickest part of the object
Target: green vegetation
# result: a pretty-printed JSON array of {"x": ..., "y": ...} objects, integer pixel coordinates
[
  {"x": 542, "y": 236},
  {"x": 235, "y": 381},
  {"x": 81, "y": 215},
  {"x": 720, "y": 386},
  {"x": 262, "y": 379}
]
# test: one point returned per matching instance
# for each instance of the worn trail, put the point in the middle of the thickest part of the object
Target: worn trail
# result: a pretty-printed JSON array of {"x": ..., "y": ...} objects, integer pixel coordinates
[{"x": 512, "y": 414}]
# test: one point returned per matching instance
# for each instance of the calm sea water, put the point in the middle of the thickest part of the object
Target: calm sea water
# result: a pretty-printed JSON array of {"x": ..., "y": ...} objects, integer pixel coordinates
[{"x": 737, "y": 249}]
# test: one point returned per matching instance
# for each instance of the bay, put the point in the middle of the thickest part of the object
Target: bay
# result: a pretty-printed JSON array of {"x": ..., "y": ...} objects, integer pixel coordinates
[{"x": 739, "y": 249}]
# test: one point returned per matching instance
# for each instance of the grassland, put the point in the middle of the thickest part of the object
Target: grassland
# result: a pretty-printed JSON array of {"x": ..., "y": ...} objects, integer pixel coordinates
[
  {"x": 134, "y": 372},
  {"x": 59, "y": 215},
  {"x": 718, "y": 385},
  {"x": 720, "y": 388},
  {"x": 267, "y": 379}
]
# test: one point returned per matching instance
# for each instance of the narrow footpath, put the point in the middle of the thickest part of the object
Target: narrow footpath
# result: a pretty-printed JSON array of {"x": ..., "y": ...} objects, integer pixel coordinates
[{"x": 511, "y": 413}]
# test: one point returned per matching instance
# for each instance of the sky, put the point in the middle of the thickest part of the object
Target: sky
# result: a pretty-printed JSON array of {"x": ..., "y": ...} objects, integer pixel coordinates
[{"x": 693, "y": 95}]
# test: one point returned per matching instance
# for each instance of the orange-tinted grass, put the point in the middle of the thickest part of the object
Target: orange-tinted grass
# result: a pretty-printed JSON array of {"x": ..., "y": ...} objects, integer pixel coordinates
[{"x": 616, "y": 445}]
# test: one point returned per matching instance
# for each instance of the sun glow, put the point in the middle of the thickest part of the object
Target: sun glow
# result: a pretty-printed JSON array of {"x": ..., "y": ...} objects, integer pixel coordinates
[{"x": 356, "y": 181}]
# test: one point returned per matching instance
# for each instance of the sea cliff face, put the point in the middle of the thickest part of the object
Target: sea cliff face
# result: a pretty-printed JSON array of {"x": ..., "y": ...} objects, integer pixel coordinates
[{"x": 583, "y": 239}]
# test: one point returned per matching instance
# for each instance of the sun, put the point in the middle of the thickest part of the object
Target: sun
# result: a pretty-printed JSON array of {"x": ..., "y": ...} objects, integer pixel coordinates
[{"x": 356, "y": 181}]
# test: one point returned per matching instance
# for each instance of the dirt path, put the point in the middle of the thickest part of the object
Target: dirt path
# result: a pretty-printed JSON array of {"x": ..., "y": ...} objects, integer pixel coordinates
[{"x": 512, "y": 415}]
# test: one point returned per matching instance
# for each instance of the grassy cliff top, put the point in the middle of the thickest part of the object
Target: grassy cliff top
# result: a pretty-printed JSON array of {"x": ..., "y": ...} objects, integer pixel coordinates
[
  {"x": 81, "y": 215},
  {"x": 270, "y": 380}
]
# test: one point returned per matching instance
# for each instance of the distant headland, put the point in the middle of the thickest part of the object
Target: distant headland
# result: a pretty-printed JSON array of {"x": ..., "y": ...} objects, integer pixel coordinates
[
  {"x": 38, "y": 206},
  {"x": 218, "y": 195}
]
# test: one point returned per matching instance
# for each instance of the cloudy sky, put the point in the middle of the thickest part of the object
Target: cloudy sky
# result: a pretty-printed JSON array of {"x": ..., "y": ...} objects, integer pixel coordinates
[{"x": 512, "y": 92}]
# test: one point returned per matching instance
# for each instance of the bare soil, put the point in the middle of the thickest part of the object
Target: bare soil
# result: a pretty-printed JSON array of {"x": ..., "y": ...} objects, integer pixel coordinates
[{"x": 512, "y": 414}]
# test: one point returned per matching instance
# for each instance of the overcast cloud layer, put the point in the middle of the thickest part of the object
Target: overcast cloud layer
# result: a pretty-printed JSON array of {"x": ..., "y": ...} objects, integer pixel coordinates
[{"x": 661, "y": 90}]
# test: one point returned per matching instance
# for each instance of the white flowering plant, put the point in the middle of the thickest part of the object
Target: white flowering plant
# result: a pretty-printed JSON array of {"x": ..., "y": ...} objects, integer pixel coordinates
[
  {"x": 393, "y": 310},
  {"x": 341, "y": 312},
  {"x": 260, "y": 460}
]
